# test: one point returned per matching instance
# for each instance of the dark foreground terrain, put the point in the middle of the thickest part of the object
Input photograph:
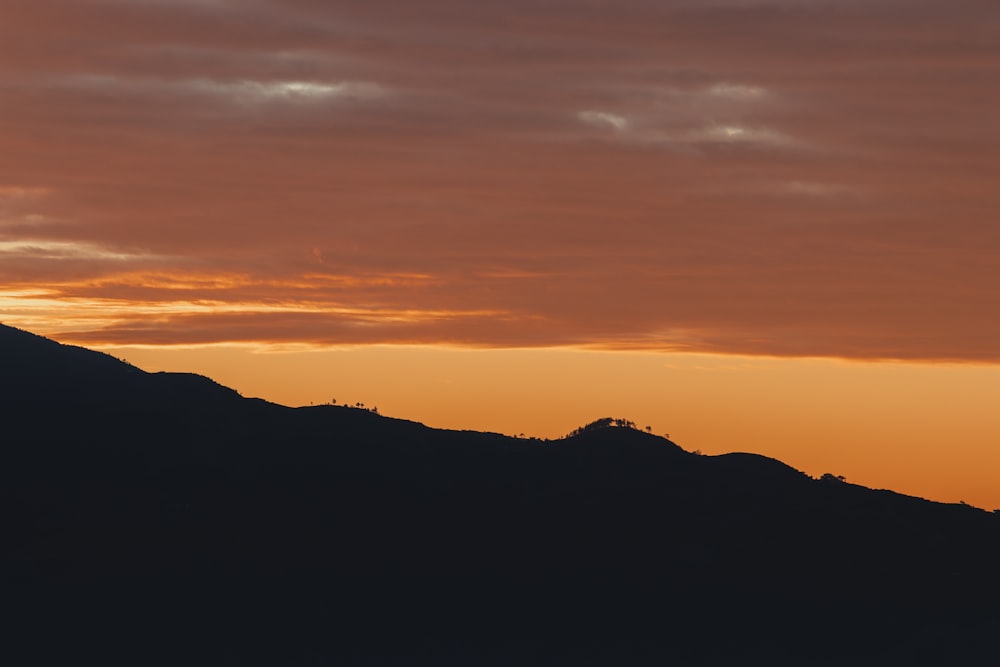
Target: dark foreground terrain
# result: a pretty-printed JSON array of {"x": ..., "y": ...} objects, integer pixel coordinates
[{"x": 161, "y": 519}]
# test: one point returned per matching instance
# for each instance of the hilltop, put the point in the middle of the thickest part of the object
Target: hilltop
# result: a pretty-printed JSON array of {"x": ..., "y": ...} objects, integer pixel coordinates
[{"x": 160, "y": 518}]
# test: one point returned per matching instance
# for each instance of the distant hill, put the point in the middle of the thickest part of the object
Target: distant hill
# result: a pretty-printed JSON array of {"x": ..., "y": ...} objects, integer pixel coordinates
[{"x": 162, "y": 519}]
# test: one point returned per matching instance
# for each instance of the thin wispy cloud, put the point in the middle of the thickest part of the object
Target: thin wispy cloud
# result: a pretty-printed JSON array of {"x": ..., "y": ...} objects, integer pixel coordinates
[
  {"x": 604, "y": 119},
  {"x": 42, "y": 249},
  {"x": 242, "y": 90},
  {"x": 737, "y": 91}
]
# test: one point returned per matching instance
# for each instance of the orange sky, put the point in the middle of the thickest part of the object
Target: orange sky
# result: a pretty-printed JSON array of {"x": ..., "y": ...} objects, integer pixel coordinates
[
  {"x": 922, "y": 429},
  {"x": 732, "y": 190}
]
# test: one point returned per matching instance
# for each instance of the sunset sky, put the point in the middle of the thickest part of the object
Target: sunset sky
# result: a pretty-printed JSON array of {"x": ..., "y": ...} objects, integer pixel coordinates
[{"x": 756, "y": 225}]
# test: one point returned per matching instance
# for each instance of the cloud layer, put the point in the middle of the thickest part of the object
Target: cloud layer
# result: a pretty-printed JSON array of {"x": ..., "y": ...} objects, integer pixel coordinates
[{"x": 782, "y": 178}]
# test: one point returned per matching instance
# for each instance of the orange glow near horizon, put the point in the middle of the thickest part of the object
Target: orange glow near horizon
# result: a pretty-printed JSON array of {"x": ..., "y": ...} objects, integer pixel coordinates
[
  {"x": 921, "y": 429},
  {"x": 521, "y": 216}
]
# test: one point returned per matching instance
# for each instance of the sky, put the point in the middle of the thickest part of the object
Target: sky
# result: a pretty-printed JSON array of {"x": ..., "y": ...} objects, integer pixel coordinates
[{"x": 757, "y": 225}]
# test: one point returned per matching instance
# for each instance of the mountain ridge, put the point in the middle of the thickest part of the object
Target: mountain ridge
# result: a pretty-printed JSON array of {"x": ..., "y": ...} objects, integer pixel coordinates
[{"x": 611, "y": 546}]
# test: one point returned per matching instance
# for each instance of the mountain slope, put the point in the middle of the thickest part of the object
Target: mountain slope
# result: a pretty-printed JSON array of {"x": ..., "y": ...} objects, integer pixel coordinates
[
  {"x": 163, "y": 519},
  {"x": 39, "y": 370}
]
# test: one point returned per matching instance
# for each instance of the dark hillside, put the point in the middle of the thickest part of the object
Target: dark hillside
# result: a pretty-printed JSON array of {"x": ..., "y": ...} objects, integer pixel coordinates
[{"x": 161, "y": 519}]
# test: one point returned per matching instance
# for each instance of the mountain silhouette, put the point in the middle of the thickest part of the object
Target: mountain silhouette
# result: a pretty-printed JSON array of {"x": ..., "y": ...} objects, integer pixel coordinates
[{"x": 162, "y": 519}]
